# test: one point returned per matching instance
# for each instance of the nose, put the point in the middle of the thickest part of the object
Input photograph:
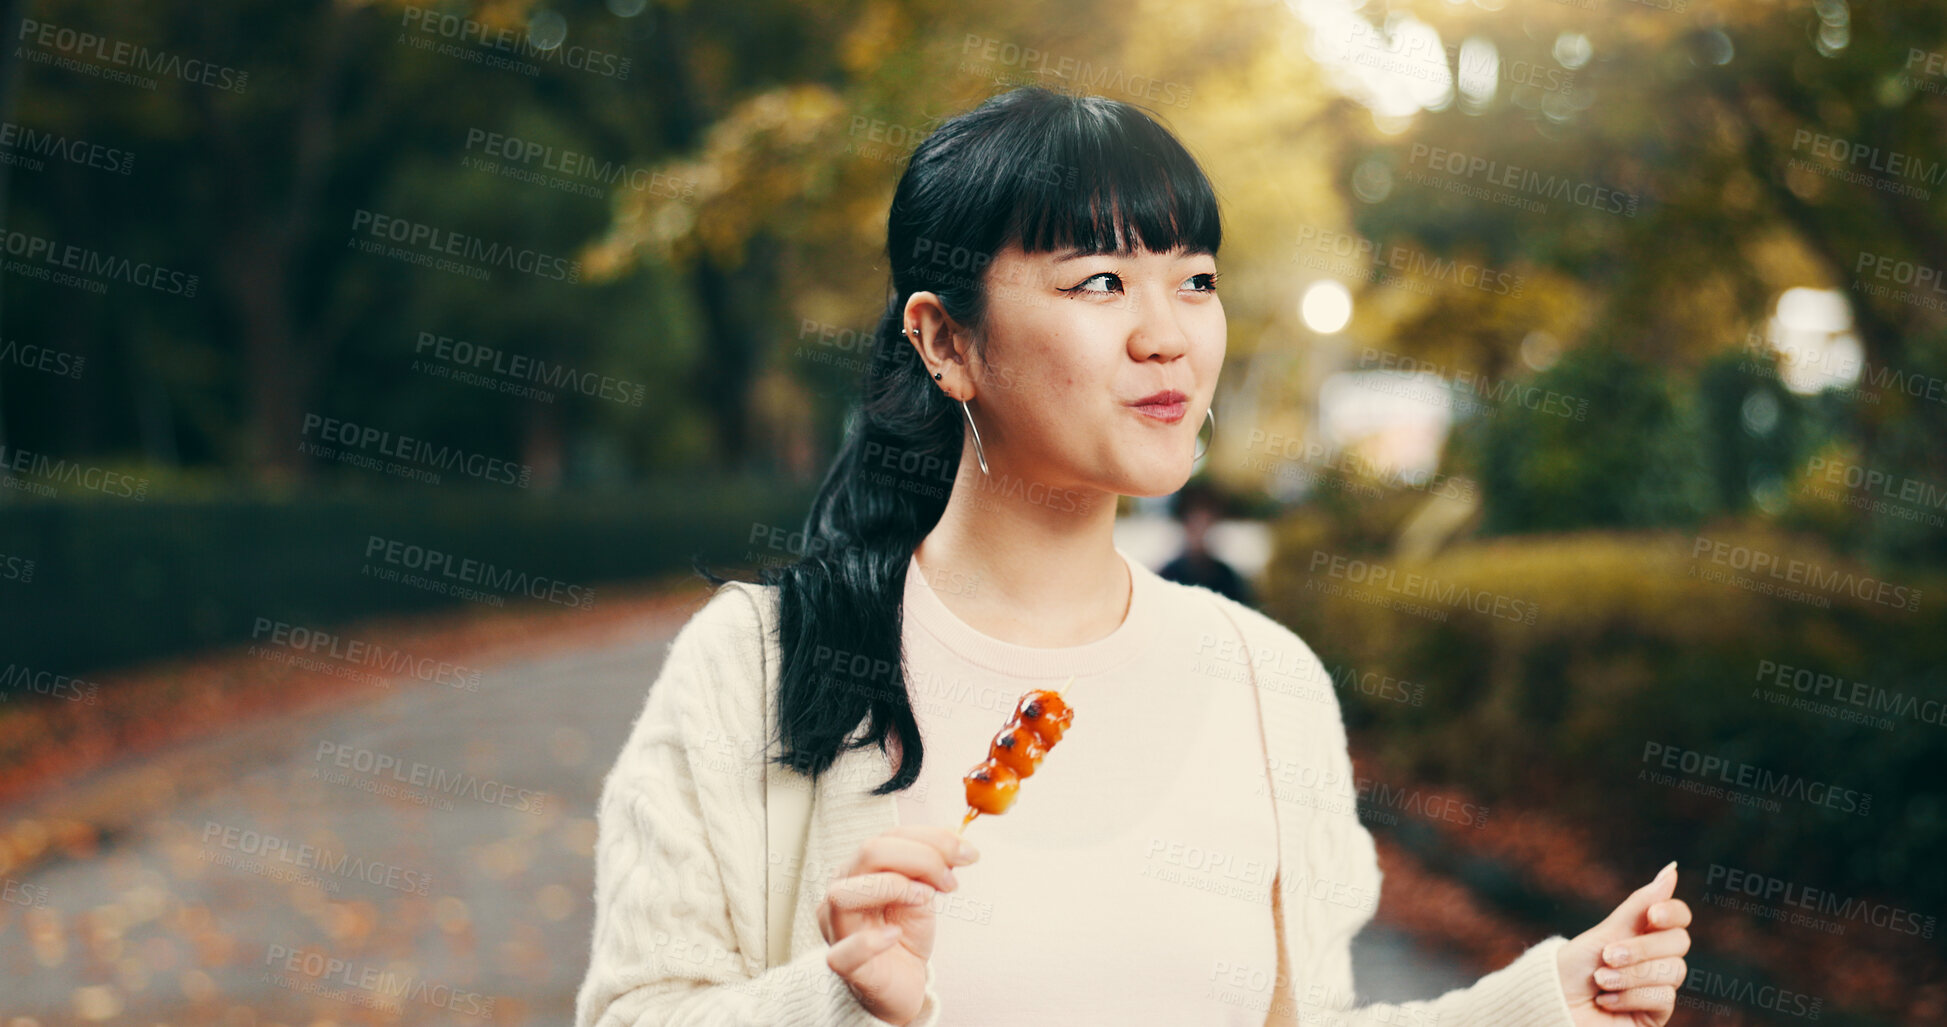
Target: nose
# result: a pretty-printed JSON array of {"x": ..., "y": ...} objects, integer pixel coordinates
[{"x": 1158, "y": 332}]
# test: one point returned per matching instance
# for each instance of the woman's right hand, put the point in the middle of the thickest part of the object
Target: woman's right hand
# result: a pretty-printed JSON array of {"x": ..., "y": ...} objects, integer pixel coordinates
[{"x": 878, "y": 916}]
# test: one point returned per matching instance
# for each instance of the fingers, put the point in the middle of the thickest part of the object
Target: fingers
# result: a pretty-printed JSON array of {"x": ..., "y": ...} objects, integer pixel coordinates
[
  {"x": 923, "y": 858},
  {"x": 1670, "y": 913},
  {"x": 1670, "y": 971},
  {"x": 954, "y": 849},
  {"x": 1644, "y": 965},
  {"x": 1660, "y": 999},
  {"x": 1630, "y": 914},
  {"x": 1644, "y": 973},
  {"x": 905, "y": 865},
  {"x": 857, "y": 949},
  {"x": 1673, "y": 942},
  {"x": 852, "y": 904},
  {"x": 873, "y": 891}
]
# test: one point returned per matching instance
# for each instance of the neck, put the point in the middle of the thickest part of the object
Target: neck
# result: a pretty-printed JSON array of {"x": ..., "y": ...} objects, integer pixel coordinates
[{"x": 1035, "y": 565}]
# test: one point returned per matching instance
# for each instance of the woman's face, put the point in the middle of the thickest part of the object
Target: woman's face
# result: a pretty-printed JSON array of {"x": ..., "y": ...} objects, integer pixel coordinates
[{"x": 1077, "y": 349}]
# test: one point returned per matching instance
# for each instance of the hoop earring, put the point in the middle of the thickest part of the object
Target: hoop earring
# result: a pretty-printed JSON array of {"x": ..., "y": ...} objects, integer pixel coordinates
[
  {"x": 1209, "y": 414},
  {"x": 979, "y": 454}
]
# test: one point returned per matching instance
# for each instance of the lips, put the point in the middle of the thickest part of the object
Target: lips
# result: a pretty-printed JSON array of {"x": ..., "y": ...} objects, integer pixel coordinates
[{"x": 1168, "y": 405}]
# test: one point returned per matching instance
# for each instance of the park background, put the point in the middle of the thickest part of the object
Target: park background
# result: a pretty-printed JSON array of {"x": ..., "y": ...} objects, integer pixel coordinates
[{"x": 1627, "y": 314}]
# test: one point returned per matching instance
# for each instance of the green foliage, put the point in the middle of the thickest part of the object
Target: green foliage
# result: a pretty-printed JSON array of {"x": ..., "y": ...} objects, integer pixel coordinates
[
  {"x": 1908, "y": 427},
  {"x": 1722, "y": 138},
  {"x": 1755, "y": 431},
  {"x": 1344, "y": 516},
  {"x": 116, "y": 582},
  {"x": 1629, "y": 648},
  {"x": 1634, "y": 462}
]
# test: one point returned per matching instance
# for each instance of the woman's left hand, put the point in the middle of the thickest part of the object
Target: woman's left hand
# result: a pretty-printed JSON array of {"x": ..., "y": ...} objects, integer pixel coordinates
[{"x": 1624, "y": 971}]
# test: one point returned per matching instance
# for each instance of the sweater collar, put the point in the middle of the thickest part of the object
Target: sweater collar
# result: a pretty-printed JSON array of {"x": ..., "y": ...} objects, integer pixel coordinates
[{"x": 925, "y": 609}]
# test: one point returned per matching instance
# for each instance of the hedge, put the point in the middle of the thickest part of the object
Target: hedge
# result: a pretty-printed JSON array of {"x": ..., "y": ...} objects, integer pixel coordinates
[
  {"x": 1632, "y": 647},
  {"x": 116, "y": 581}
]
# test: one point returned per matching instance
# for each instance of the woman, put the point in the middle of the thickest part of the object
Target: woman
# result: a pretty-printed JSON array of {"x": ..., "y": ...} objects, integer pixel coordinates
[{"x": 1191, "y": 852}]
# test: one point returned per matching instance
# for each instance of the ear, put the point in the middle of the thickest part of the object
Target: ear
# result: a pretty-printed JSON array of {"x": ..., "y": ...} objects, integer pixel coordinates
[{"x": 941, "y": 343}]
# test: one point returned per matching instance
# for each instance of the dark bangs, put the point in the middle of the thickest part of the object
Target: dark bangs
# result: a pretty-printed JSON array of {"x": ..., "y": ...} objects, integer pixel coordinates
[{"x": 1103, "y": 177}]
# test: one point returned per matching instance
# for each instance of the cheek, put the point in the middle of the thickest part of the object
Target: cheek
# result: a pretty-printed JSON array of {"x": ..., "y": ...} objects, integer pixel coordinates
[
  {"x": 1054, "y": 374},
  {"x": 1214, "y": 333},
  {"x": 1209, "y": 356}
]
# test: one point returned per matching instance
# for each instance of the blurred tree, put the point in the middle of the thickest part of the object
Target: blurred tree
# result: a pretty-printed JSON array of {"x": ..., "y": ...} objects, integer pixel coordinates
[
  {"x": 1637, "y": 466},
  {"x": 337, "y": 111},
  {"x": 1718, "y": 132},
  {"x": 1755, "y": 431},
  {"x": 782, "y": 130},
  {"x": 775, "y": 134}
]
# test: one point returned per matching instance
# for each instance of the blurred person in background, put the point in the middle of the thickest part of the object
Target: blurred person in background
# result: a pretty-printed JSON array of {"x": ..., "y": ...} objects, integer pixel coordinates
[{"x": 1199, "y": 506}]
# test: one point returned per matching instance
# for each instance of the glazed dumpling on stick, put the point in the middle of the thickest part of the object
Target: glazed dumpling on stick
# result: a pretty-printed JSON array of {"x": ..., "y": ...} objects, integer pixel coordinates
[{"x": 1039, "y": 721}]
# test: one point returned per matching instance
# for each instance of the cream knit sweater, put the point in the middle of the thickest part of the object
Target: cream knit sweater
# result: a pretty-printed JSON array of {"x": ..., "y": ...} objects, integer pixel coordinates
[{"x": 682, "y": 862}]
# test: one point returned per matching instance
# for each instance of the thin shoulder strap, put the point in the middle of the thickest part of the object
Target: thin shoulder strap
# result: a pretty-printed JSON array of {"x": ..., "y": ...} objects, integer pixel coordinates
[
  {"x": 787, "y": 807},
  {"x": 1223, "y": 605},
  {"x": 1282, "y": 1012}
]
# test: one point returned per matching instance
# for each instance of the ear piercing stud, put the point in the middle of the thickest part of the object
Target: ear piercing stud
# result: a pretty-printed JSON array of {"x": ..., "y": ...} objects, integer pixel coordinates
[{"x": 914, "y": 332}]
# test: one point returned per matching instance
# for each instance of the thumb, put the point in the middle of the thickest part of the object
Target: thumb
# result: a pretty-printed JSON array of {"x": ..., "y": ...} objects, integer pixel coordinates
[{"x": 1633, "y": 913}]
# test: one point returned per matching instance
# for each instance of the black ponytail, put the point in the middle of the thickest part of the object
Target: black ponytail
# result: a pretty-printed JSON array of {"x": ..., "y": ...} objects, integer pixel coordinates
[{"x": 1043, "y": 168}]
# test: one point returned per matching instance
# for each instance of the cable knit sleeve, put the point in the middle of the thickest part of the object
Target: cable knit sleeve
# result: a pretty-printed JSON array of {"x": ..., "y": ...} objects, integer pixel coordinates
[
  {"x": 680, "y": 854},
  {"x": 1336, "y": 893},
  {"x": 1525, "y": 993}
]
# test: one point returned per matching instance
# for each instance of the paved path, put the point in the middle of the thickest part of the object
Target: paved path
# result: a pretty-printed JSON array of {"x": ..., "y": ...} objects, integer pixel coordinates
[{"x": 210, "y": 908}]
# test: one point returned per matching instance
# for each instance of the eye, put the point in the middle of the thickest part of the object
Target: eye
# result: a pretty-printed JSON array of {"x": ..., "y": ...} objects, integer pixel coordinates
[
  {"x": 1112, "y": 283},
  {"x": 1206, "y": 282}
]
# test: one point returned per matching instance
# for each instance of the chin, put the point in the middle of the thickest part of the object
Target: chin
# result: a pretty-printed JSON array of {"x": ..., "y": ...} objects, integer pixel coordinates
[{"x": 1161, "y": 479}]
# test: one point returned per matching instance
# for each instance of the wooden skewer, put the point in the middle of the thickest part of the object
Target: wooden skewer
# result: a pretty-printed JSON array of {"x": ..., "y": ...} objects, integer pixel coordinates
[{"x": 971, "y": 812}]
